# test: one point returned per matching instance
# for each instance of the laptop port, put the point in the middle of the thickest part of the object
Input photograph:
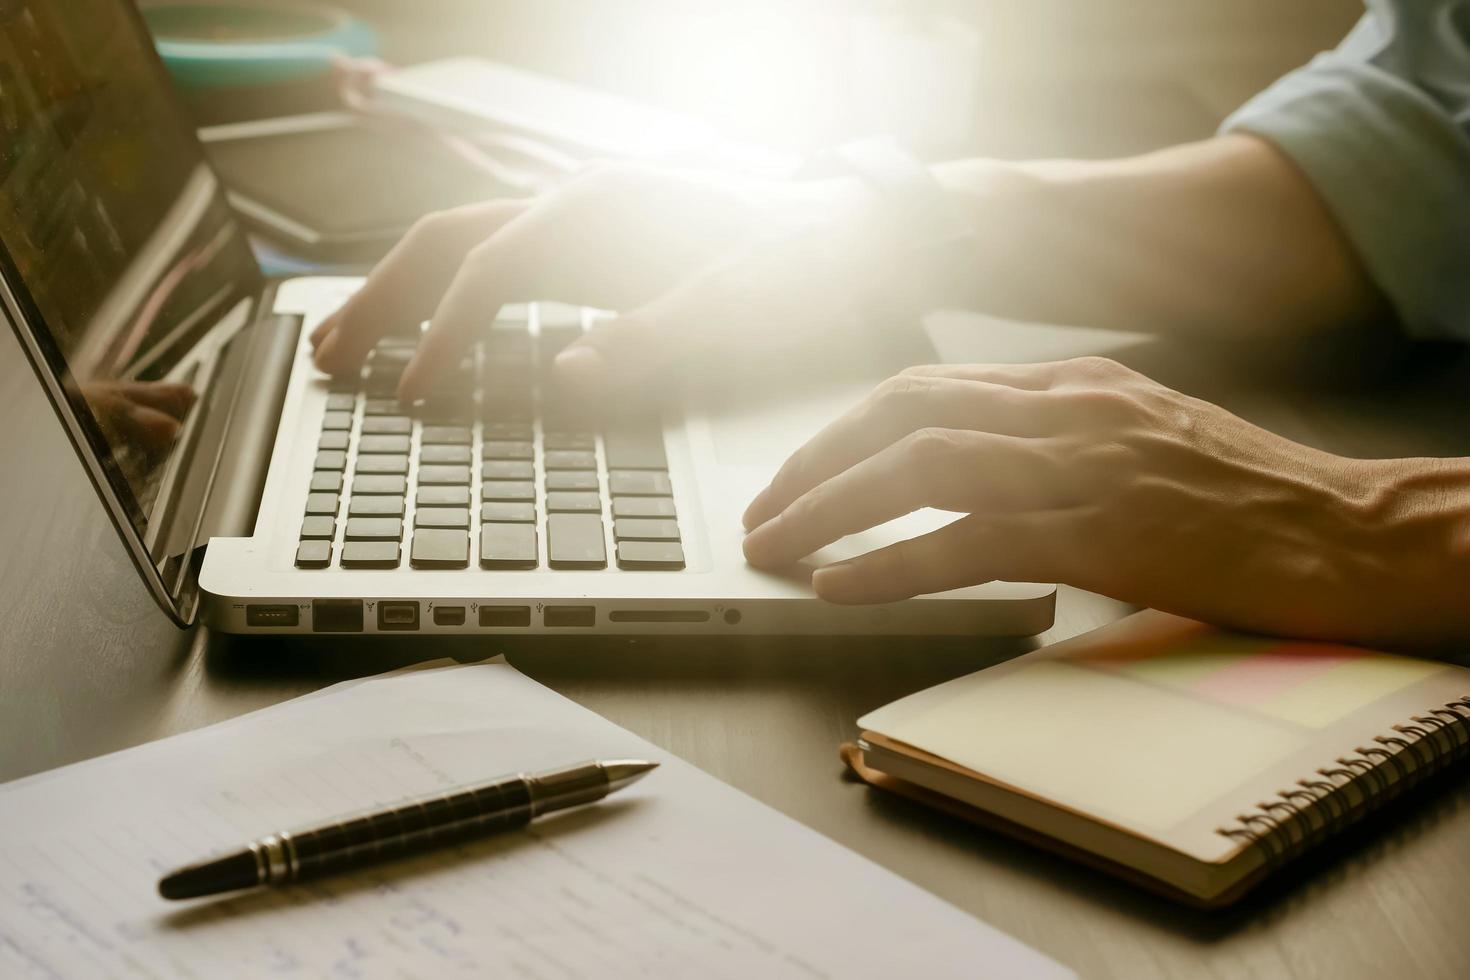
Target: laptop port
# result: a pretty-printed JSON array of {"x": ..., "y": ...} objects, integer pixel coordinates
[
  {"x": 570, "y": 616},
  {"x": 658, "y": 616},
  {"x": 262, "y": 615},
  {"x": 449, "y": 615},
  {"x": 398, "y": 615},
  {"x": 336, "y": 616},
  {"x": 505, "y": 615}
]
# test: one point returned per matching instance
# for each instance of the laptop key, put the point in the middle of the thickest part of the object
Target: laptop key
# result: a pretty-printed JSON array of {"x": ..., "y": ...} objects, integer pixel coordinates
[
  {"x": 504, "y": 469},
  {"x": 382, "y": 406},
  {"x": 375, "y": 463},
  {"x": 573, "y": 502},
  {"x": 383, "y": 444},
  {"x": 456, "y": 517},
  {"x": 334, "y": 439},
  {"x": 387, "y": 425},
  {"x": 451, "y": 475},
  {"x": 445, "y": 435},
  {"x": 341, "y": 402},
  {"x": 570, "y": 459},
  {"x": 337, "y": 420},
  {"x": 443, "y": 497},
  {"x": 384, "y": 506},
  {"x": 509, "y": 490},
  {"x": 330, "y": 459},
  {"x": 314, "y": 554},
  {"x": 508, "y": 546},
  {"x": 643, "y": 507},
  {"x": 635, "y": 449},
  {"x": 370, "y": 554},
  {"x": 504, "y": 449},
  {"x": 374, "y": 529},
  {"x": 321, "y": 503},
  {"x": 574, "y": 541},
  {"x": 645, "y": 529},
  {"x": 326, "y": 481},
  {"x": 445, "y": 455},
  {"x": 321, "y": 527},
  {"x": 638, "y": 483},
  {"x": 440, "y": 548},
  {"x": 569, "y": 440},
  {"x": 380, "y": 483},
  {"x": 571, "y": 480},
  {"x": 505, "y": 512},
  {"x": 652, "y": 556},
  {"x": 508, "y": 430}
]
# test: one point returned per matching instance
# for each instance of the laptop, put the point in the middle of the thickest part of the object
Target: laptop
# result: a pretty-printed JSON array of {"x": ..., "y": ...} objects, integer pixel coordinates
[{"x": 260, "y": 496}]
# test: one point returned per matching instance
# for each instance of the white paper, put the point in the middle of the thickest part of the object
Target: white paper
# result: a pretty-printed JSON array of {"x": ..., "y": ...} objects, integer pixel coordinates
[{"x": 680, "y": 875}]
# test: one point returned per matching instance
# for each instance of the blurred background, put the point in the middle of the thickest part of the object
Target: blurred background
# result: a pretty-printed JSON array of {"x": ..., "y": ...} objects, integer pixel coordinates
[
  {"x": 1080, "y": 78},
  {"x": 1044, "y": 76}
]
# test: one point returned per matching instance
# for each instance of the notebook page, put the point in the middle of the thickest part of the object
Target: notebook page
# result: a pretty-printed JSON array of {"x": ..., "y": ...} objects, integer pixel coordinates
[
  {"x": 1164, "y": 728},
  {"x": 679, "y": 875}
]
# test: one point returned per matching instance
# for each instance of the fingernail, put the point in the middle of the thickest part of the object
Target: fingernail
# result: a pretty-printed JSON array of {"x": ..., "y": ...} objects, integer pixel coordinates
[
  {"x": 581, "y": 363},
  {"x": 830, "y": 580}
]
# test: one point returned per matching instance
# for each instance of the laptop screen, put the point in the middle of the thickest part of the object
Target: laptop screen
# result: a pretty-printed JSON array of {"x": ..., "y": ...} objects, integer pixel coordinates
[{"x": 119, "y": 251}]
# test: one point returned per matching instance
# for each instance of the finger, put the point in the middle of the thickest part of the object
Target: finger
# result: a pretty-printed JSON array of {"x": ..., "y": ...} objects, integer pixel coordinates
[
  {"x": 493, "y": 273},
  {"x": 761, "y": 294},
  {"x": 156, "y": 429},
  {"x": 172, "y": 397},
  {"x": 631, "y": 348},
  {"x": 899, "y": 406},
  {"x": 1027, "y": 377},
  {"x": 1032, "y": 547},
  {"x": 407, "y": 284},
  {"x": 941, "y": 468}
]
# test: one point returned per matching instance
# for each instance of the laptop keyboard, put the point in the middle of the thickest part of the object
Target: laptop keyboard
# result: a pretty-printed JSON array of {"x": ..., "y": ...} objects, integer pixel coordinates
[{"x": 485, "y": 469}]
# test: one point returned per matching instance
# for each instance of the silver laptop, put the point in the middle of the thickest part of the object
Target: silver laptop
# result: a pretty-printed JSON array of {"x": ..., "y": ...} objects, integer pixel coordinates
[{"x": 261, "y": 496}]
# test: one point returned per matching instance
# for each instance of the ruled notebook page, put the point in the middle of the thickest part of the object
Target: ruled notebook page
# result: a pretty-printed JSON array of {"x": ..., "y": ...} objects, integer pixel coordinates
[{"x": 679, "y": 875}]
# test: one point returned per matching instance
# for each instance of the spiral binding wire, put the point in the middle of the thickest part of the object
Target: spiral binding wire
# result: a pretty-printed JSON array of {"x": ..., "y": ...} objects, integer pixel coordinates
[{"x": 1357, "y": 785}]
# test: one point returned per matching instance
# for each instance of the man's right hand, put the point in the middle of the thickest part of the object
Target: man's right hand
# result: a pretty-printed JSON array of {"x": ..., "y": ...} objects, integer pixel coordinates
[{"x": 694, "y": 263}]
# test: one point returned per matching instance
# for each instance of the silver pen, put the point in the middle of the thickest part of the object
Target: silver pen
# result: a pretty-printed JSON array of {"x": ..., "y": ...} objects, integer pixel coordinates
[{"x": 364, "y": 839}]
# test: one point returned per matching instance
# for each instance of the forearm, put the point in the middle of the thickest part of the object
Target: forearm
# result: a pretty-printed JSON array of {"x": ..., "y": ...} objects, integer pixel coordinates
[{"x": 1221, "y": 236}]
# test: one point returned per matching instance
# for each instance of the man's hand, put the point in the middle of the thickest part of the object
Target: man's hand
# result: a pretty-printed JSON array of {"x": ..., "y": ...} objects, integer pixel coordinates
[
  {"x": 695, "y": 262},
  {"x": 1087, "y": 473}
]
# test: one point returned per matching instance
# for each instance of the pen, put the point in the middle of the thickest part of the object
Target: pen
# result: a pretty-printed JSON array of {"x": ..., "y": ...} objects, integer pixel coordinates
[{"x": 364, "y": 839}]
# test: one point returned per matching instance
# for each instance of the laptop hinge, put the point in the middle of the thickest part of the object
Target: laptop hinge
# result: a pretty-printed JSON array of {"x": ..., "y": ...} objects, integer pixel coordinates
[{"x": 228, "y": 488}]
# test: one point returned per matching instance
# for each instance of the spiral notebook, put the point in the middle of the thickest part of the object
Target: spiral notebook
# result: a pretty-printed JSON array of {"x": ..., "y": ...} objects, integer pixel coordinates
[{"x": 1190, "y": 760}]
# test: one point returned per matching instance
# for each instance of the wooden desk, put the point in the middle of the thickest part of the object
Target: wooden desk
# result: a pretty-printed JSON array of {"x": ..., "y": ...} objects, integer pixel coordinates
[{"x": 88, "y": 665}]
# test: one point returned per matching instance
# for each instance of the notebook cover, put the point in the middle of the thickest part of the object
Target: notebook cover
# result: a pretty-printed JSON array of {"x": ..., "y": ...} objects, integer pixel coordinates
[
  {"x": 1184, "y": 736},
  {"x": 852, "y": 756}
]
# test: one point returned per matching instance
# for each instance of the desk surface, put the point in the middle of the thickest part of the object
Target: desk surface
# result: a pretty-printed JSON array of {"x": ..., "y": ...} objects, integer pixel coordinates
[{"x": 88, "y": 665}]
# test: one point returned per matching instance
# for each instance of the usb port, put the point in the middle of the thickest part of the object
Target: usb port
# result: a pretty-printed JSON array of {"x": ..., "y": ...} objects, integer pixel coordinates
[
  {"x": 570, "y": 615},
  {"x": 398, "y": 615},
  {"x": 261, "y": 615},
  {"x": 505, "y": 615}
]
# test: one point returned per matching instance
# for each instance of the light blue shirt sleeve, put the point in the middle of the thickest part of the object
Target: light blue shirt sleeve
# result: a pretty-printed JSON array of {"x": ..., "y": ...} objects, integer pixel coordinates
[{"x": 1381, "y": 126}]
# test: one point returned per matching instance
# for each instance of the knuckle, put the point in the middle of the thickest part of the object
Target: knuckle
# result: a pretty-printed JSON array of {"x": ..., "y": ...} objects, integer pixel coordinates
[
  {"x": 1106, "y": 405},
  {"x": 932, "y": 447},
  {"x": 428, "y": 228},
  {"x": 1096, "y": 367},
  {"x": 899, "y": 391}
]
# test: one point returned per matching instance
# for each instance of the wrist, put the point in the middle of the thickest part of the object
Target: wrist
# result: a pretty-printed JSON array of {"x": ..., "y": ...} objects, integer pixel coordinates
[{"x": 1415, "y": 518}]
